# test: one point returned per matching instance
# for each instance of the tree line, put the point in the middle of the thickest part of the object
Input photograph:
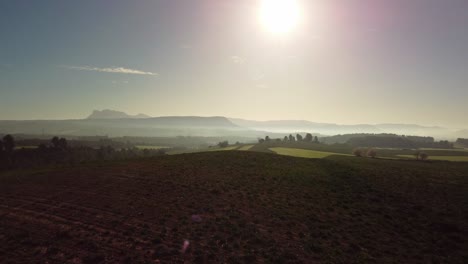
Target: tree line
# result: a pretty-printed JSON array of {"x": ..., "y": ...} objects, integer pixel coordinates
[
  {"x": 298, "y": 138},
  {"x": 57, "y": 151},
  {"x": 394, "y": 141}
]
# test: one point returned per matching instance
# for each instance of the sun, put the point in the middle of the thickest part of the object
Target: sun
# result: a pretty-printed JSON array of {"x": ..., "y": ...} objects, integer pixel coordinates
[{"x": 279, "y": 16}]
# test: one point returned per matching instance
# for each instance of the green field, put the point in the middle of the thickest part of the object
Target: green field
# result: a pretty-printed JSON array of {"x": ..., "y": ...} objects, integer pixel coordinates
[
  {"x": 151, "y": 147},
  {"x": 221, "y": 149},
  {"x": 438, "y": 149},
  {"x": 304, "y": 153},
  {"x": 198, "y": 150},
  {"x": 246, "y": 147},
  {"x": 446, "y": 158}
]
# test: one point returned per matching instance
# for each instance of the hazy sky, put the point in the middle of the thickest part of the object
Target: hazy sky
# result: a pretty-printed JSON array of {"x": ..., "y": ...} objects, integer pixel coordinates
[{"x": 353, "y": 61}]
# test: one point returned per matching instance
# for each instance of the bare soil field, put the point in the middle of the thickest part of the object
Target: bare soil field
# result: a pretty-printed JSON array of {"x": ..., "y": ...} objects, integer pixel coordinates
[{"x": 237, "y": 207}]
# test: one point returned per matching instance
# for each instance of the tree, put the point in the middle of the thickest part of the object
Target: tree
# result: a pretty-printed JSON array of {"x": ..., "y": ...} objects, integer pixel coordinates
[
  {"x": 55, "y": 142},
  {"x": 316, "y": 139},
  {"x": 357, "y": 152},
  {"x": 62, "y": 143},
  {"x": 261, "y": 140},
  {"x": 267, "y": 139},
  {"x": 371, "y": 153},
  {"x": 9, "y": 143},
  {"x": 285, "y": 138},
  {"x": 423, "y": 156},
  {"x": 291, "y": 138},
  {"x": 223, "y": 144},
  {"x": 299, "y": 137},
  {"x": 308, "y": 137}
]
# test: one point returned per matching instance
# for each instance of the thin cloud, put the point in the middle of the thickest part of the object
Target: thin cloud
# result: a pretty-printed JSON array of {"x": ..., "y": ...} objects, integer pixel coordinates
[{"x": 111, "y": 70}]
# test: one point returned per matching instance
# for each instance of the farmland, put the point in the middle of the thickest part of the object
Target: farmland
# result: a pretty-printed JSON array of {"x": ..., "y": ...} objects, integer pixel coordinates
[
  {"x": 246, "y": 147},
  {"x": 303, "y": 153},
  {"x": 446, "y": 158},
  {"x": 236, "y": 207},
  {"x": 150, "y": 147}
]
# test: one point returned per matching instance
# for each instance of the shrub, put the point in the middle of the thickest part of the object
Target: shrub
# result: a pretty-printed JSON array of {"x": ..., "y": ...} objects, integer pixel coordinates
[
  {"x": 371, "y": 153},
  {"x": 357, "y": 152},
  {"x": 423, "y": 156},
  {"x": 8, "y": 143},
  {"x": 223, "y": 144}
]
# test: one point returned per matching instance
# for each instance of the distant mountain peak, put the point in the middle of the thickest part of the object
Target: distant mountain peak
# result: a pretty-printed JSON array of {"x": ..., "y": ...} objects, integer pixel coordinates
[{"x": 112, "y": 114}]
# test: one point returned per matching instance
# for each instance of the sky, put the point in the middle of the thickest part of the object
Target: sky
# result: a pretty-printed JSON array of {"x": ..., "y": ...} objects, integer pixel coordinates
[{"x": 346, "y": 62}]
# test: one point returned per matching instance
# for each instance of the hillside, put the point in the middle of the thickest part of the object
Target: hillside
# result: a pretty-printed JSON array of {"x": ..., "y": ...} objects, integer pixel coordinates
[
  {"x": 237, "y": 207},
  {"x": 149, "y": 127}
]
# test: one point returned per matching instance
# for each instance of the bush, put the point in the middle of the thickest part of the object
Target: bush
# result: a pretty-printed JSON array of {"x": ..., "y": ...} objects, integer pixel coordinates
[
  {"x": 223, "y": 144},
  {"x": 357, "y": 152},
  {"x": 371, "y": 153},
  {"x": 419, "y": 155},
  {"x": 423, "y": 156}
]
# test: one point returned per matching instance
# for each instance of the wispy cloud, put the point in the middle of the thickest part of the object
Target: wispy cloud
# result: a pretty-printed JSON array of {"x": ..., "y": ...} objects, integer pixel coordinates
[
  {"x": 237, "y": 59},
  {"x": 111, "y": 70}
]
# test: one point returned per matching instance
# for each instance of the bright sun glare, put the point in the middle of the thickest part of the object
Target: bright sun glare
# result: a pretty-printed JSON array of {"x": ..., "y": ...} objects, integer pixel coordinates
[{"x": 279, "y": 16}]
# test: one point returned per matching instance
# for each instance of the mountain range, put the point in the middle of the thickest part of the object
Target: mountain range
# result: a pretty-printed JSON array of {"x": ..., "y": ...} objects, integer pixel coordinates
[
  {"x": 112, "y": 114},
  {"x": 116, "y": 123}
]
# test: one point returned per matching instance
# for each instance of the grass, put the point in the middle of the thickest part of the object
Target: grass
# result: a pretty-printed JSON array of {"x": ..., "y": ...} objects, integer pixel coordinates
[
  {"x": 445, "y": 158},
  {"x": 304, "y": 153},
  {"x": 438, "y": 149},
  {"x": 245, "y": 147},
  {"x": 221, "y": 149},
  {"x": 150, "y": 147}
]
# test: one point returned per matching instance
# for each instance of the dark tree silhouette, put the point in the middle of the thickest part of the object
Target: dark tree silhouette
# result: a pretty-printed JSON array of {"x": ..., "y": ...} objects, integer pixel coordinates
[
  {"x": 292, "y": 138},
  {"x": 285, "y": 138},
  {"x": 298, "y": 137},
  {"x": 261, "y": 140},
  {"x": 423, "y": 156},
  {"x": 62, "y": 143},
  {"x": 55, "y": 142},
  {"x": 308, "y": 137},
  {"x": 9, "y": 143},
  {"x": 223, "y": 144},
  {"x": 267, "y": 139},
  {"x": 316, "y": 139}
]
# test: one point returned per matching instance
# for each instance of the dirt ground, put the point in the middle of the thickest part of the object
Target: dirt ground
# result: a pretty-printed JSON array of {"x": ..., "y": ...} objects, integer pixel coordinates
[{"x": 236, "y": 207}]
